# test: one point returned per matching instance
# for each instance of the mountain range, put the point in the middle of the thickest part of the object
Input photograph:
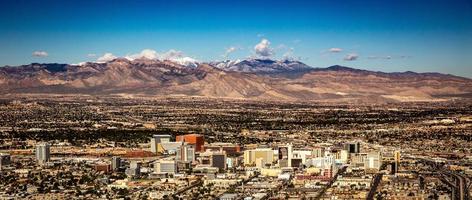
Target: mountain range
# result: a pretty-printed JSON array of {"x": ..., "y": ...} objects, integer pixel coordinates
[{"x": 255, "y": 79}]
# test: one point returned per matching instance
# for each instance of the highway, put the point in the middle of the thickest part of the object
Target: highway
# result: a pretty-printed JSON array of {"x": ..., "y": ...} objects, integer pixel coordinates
[{"x": 457, "y": 181}]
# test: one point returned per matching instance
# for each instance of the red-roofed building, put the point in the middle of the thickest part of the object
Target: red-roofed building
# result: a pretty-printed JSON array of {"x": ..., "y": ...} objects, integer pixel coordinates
[{"x": 195, "y": 139}]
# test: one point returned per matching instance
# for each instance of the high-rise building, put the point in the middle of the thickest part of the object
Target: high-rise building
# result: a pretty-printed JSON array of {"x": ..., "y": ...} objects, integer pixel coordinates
[
  {"x": 373, "y": 161},
  {"x": 157, "y": 139},
  {"x": 250, "y": 156},
  {"x": 318, "y": 152},
  {"x": 344, "y": 156},
  {"x": 353, "y": 147},
  {"x": 302, "y": 154},
  {"x": 195, "y": 139},
  {"x": 358, "y": 159},
  {"x": 185, "y": 153},
  {"x": 397, "y": 159},
  {"x": 322, "y": 162},
  {"x": 218, "y": 159},
  {"x": 286, "y": 153},
  {"x": 169, "y": 147},
  {"x": 134, "y": 169},
  {"x": 4, "y": 160},
  {"x": 115, "y": 163},
  {"x": 165, "y": 167},
  {"x": 215, "y": 159},
  {"x": 43, "y": 152}
]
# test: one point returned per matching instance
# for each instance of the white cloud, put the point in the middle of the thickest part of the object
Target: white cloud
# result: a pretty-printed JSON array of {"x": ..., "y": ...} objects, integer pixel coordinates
[
  {"x": 230, "y": 50},
  {"x": 40, "y": 54},
  {"x": 351, "y": 57},
  {"x": 172, "y": 55},
  {"x": 263, "y": 48},
  {"x": 335, "y": 50},
  {"x": 106, "y": 57},
  {"x": 289, "y": 55},
  {"x": 387, "y": 57},
  {"x": 178, "y": 57},
  {"x": 145, "y": 53},
  {"x": 91, "y": 55},
  {"x": 154, "y": 55},
  {"x": 380, "y": 57}
]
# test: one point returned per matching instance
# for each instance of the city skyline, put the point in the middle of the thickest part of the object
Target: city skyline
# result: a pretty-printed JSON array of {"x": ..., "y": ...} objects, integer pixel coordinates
[
  {"x": 387, "y": 36},
  {"x": 236, "y": 100}
]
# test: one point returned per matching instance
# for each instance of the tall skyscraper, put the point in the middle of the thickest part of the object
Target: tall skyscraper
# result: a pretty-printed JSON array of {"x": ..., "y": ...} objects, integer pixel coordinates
[
  {"x": 43, "y": 152},
  {"x": 353, "y": 147},
  {"x": 115, "y": 163},
  {"x": 185, "y": 153},
  {"x": 397, "y": 159}
]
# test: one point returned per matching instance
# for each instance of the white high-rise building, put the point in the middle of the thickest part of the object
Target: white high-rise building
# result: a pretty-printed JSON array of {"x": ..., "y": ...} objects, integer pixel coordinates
[
  {"x": 323, "y": 162},
  {"x": 165, "y": 167},
  {"x": 373, "y": 160},
  {"x": 344, "y": 156},
  {"x": 43, "y": 152},
  {"x": 290, "y": 154},
  {"x": 185, "y": 153},
  {"x": 134, "y": 169},
  {"x": 318, "y": 152}
]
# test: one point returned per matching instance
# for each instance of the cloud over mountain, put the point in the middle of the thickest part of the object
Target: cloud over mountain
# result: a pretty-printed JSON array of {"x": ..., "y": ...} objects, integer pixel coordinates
[
  {"x": 145, "y": 53},
  {"x": 335, "y": 50},
  {"x": 263, "y": 48},
  {"x": 40, "y": 54},
  {"x": 230, "y": 50},
  {"x": 106, "y": 57},
  {"x": 351, "y": 57}
]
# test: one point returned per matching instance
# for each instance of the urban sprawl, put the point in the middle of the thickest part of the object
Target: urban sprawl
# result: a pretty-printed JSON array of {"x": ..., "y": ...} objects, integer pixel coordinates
[{"x": 138, "y": 148}]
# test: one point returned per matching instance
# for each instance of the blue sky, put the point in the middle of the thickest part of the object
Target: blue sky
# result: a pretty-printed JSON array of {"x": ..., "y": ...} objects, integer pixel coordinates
[{"x": 422, "y": 36}]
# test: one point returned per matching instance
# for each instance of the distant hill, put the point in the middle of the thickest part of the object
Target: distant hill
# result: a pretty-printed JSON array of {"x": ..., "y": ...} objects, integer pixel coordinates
[{"x": 254, "y": 79}]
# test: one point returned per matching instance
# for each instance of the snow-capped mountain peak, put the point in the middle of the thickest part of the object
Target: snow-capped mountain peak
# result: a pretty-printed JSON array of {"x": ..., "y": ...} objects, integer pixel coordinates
[{"x": 261, "y": 65}]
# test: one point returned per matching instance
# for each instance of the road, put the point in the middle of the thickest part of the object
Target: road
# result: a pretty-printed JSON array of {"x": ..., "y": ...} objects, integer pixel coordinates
[
  {"x": 375, "y": 184},
  {"x": 459, "y": 184},
  {"x": 340, "y": 172},
  {"x": 197, "y": 183}
]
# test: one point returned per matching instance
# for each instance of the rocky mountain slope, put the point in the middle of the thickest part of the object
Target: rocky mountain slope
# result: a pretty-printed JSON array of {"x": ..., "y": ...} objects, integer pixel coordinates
[{"x": 247, "y": 79}]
